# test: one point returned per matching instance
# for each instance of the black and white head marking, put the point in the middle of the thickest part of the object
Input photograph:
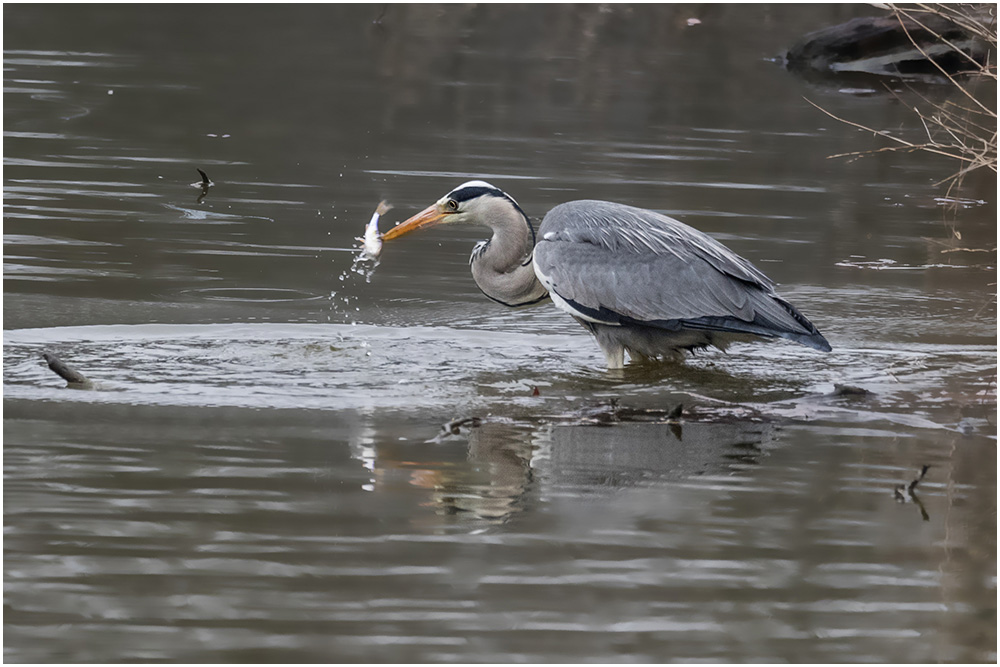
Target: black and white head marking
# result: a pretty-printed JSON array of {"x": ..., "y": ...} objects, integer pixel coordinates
[{"x": 473, "y": 189}]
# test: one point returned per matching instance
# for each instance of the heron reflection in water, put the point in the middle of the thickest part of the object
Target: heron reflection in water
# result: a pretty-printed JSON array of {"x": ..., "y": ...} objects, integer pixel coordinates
[{"x": 639, "y": 281}]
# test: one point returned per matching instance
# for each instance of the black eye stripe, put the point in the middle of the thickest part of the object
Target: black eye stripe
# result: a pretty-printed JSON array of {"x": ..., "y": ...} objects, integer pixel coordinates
[
  {"x": 472, "y": 191},
  {"x": 465, "y": 194}
]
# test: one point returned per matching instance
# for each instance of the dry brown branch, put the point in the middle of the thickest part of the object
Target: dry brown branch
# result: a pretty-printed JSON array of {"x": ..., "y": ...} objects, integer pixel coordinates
[
  {"x": 965, "y": 131},
  {"x": 930, "y": 147},
  {"x": 903, "y": 13}
]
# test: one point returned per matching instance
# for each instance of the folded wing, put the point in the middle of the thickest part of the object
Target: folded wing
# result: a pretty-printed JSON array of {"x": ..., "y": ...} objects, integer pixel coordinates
[{"x": 619, "y": 265}]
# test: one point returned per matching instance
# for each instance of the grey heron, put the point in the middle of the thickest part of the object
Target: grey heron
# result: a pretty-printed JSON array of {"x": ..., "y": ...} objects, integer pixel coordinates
[{"x": 638, "y": 280}]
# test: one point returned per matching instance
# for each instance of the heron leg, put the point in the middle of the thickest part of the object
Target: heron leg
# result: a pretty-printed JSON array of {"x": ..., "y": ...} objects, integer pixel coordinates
[
  {"x": 614, "y": 355},
  {"x": 637, "y": 357},
  {"x": 613, "y": 349}
]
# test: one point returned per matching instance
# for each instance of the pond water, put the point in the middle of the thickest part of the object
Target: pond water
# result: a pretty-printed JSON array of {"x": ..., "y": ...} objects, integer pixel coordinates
[{"x": 284, "y": 459}]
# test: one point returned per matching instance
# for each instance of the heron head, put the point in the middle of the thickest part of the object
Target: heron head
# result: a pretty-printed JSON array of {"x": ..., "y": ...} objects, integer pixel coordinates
[{"x": 469, "y": 202}]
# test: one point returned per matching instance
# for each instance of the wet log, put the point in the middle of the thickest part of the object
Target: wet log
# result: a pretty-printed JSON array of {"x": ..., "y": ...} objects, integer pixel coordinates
[{"x": 880, "y": 45}]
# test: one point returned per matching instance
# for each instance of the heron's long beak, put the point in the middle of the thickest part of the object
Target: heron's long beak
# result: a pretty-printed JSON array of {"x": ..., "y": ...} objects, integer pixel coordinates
[{"x": 430, "y": 216}]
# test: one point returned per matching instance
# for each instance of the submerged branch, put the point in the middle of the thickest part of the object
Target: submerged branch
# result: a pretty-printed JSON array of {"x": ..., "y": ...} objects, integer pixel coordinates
[{"x": 73, "y": 377}]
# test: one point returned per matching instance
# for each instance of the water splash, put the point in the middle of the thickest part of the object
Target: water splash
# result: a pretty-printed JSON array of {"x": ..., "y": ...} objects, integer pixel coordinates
[
  {"x": 366, "y": 260},
  {"x": 364, "y": 265},
  {"x": 362, "y": 268}
]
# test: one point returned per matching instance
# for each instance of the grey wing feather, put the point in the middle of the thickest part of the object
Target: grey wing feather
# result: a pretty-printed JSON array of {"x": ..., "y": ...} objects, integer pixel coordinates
[{"x": 618, "y": 264}]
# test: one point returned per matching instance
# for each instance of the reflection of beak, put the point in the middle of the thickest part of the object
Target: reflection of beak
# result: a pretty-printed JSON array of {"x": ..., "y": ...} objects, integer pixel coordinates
[{"x": 430, "y": 216}]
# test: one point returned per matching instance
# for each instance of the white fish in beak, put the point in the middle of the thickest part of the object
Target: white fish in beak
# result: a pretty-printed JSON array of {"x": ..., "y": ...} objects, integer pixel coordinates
[{"x": 372, "y": 240}]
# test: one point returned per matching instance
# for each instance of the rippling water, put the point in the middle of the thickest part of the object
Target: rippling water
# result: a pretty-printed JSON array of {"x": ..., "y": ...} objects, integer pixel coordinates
[{"x": 281, "y": 459}]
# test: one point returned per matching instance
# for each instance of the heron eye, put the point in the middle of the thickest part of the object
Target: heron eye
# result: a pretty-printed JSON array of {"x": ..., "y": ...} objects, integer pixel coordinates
[{"x": 452, "y": 205}]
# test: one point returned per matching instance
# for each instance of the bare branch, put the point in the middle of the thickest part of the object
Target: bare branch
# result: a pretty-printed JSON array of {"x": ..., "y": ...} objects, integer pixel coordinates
[{"x": 964, "y": 131}]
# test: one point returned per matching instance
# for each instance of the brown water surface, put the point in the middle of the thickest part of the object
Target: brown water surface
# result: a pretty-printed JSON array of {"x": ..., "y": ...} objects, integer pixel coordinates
[{"x": 260, "y": 472}]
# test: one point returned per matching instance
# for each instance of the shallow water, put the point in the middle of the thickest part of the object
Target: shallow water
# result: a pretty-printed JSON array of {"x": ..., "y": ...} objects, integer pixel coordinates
[{"x": 277, "y": 459}]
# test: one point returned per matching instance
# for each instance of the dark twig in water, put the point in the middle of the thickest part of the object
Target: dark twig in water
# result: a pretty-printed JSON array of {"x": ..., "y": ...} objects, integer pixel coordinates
[
  {"x": 849, "y": 390},
  {"x": 454, "y": 427},
  {"x": 72, "y": 376},
  {"x": 911, "y": 492},
  {"x": 677, "y": 430},
  {"x": 205, "y": 184},
  {"x": 613, "y": 412},
  {"x": 913, "y": 484}
]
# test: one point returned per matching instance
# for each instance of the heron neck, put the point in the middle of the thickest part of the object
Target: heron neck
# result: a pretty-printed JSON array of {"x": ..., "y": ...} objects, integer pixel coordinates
[{"x": 502, "y": 267}]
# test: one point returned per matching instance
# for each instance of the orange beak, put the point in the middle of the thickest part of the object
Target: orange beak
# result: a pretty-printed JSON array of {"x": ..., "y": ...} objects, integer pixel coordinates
[{"x": 430, "y": 216}]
